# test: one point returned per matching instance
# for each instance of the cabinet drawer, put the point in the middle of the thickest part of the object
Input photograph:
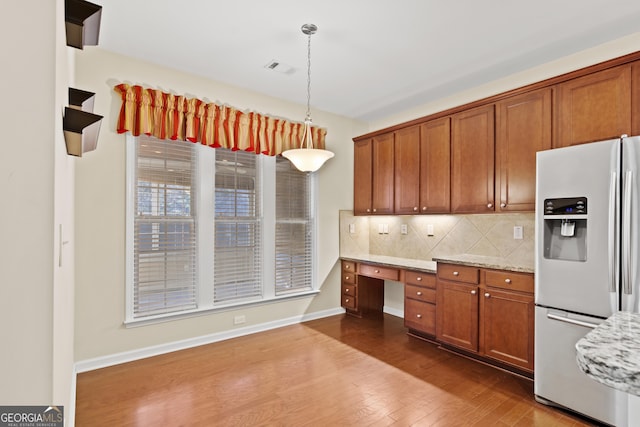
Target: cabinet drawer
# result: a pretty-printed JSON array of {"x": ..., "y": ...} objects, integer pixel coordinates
[
  {"x": 508, "y": 280},
  {"x": 379, "y": 272},
  {"x": 420, "y": 279},
  {"x": 420, "y": 316},
  {"x": 349, "y": 302},
  {"x": 420, "y": 293},
  {"x": 348, "y": 277},
  {"x": 348, "y": 266},
  {"x": 348, "y": 289},
  {"x": 458, "y": 273}
]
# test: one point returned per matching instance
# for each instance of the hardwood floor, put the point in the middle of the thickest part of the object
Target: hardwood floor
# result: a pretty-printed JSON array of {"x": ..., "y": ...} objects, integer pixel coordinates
[{"x": 337, "y": 371}]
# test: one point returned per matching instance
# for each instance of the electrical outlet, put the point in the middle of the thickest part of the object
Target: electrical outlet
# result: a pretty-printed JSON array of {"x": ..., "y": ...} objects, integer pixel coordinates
[
  {"x": 517, "y": 232},
  {"x": 239, "y": 319},
  {"x": 352, "y": 228},
  {"x": 403, "y": 229},
  {"x": 385, "y": 228},
  {"x": 429, "y": 229},
  {"x": 380, "y": 228}
]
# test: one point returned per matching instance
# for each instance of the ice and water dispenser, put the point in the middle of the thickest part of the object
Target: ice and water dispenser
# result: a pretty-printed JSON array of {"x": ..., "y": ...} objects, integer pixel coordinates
[{"x": 565, "y": 228}]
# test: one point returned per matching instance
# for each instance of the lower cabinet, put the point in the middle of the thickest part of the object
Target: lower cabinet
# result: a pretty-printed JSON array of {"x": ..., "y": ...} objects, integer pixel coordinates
[
  {"x": 490, "y": 313},
  {"x": 420, "y": 302},
  {"x": 362, "y": 294}
]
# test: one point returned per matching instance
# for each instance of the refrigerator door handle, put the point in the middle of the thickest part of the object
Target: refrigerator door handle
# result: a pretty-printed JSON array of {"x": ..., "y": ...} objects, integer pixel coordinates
[
  {"x": 572, "y": 321},
  {"x": 626, "y": 235},
  {"x": 612, "y": 232}
]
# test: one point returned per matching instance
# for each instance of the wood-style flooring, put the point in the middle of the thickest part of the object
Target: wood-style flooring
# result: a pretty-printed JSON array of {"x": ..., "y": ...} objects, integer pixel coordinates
[{"x": 337, "y": 371}]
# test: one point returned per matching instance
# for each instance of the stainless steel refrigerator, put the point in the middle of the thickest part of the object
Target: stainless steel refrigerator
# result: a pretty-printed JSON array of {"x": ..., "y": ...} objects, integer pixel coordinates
[{"x": 586, "y": 265}]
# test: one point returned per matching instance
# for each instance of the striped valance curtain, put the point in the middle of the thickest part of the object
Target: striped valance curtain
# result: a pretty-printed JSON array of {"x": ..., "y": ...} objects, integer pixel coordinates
[{"x": 168, "y": 116}]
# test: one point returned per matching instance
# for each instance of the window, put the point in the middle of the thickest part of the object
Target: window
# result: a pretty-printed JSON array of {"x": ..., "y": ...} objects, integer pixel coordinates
[{"x": 212, "y": 228}]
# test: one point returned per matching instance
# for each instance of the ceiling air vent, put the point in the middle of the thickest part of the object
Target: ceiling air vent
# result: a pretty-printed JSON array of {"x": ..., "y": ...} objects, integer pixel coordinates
[{"x": 280, "y": 67}]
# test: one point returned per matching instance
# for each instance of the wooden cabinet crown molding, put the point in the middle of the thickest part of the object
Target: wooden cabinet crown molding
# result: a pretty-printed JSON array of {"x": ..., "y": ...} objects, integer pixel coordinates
[{"x": 626, "y": 59}]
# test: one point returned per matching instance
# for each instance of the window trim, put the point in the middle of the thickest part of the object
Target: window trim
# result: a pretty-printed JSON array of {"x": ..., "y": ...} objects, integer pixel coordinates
[{"x": 204, "y": 295}]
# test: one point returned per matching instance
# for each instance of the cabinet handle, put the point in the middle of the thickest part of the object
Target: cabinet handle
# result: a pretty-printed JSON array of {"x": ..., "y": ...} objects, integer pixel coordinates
[
  {"x": 487, "y": 295},
  {"x": 507, "y": 281},
  {"x": 424, "y": 208},
  {"x": 419, "y": 293},
  {"x": 368, "y": 210},
  {"x": 346, "y": 267},
  {"x": 346, "y": 290},
  {"x": 419, "y": 316},
  {"x": 375, "y": 210},
  {"x": 419, "y": 279},
  {"x": 489, "y": 205},
  {"x": 473, "y": 292},
  {"x": 347, "y": 300},
  {"x": 503, "y": 205},
  {"x": 346, "y": 277},
  {"x": 456, "y": 273},
  {"x": 376, "y": 271},
  {"x": 415, "y": 209}
]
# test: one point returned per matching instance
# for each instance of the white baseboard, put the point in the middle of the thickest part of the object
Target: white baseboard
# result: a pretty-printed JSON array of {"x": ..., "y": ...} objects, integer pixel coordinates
[
  {"x": 393, "y": 311},
  {"x": 129, "y": 356}
]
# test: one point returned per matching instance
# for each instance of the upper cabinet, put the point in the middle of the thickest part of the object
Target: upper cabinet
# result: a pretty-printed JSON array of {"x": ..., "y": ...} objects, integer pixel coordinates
[
  {"x": 362, "y": 176},
  {"x": 407, "y": 170},
  {"x": 382, "y": 189},
  {"x": 435, "y": 160},
  {"x": 523, "y": 127},
  {"x": 594, "y": 107},
  {"x": 472, "y": 161},
  {"x": 635, "y": 98}
]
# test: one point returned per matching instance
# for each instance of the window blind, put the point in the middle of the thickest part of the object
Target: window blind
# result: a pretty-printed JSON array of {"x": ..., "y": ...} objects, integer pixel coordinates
[
  {"x": 294, "y": 227},
  {"x": 237, "y": 252},
  {"x": 164, "y": 227}
]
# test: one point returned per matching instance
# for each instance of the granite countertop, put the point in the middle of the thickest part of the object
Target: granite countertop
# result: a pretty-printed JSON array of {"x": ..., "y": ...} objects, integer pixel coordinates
[
  {"x": 610, "y": 354},
  {"x": 430, "y": 266}
]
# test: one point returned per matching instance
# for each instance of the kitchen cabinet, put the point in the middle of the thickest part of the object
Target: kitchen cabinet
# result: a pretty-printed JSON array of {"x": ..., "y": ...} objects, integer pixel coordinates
[
  {"x": 362, "y": 176},
  {"x": 383, "y": 174},
  {"x": 635, "y": 98},
  {"x": 364, "y": 294},
  {"x": 435, "y": 166},
  {"x": 420, "y": 302},
  {"x": 594, "y": 107},
  {"x": 472, "y": 160},
  {"x": 407, "y": 170},
  {"x": 487, "y": 312},
  {"x": 523, "y": 127}
]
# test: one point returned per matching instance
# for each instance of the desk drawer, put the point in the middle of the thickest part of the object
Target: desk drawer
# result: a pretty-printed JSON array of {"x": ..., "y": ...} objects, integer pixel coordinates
[
  {"x": 348, "y": 289},
  {"x": 348, "y": 266},
  {"x": 349, "y": 302},
  {"x": 385, "y": 273},
  {"x": 458, "y": 273},
  {"x": 420, "y": 279},
  {"x": 348, "y": 277},
  {"x": 508, "y": 280},
  {"x": 420, "y": 293},
  {"x": 420, "y": 316}
]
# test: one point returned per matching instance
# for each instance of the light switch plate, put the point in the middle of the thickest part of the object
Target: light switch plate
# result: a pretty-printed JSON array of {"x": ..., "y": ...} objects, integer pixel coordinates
[
  {"x": 403, "y": 229},
  {"x": 429, "y": 229},
  {"x": 517, "y": 232},
  {"x": 386, "y": 228},
  {"x": 352, "y": 228},
  {"x": 380, "y": 228}
]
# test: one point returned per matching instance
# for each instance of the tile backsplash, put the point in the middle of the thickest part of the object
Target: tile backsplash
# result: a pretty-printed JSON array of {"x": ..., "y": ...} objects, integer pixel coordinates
[{"x": 488, "y": 235}]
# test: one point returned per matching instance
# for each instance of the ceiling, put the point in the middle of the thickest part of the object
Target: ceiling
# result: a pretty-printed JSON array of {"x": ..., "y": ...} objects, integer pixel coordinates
[{"x": 369, "y": 58}]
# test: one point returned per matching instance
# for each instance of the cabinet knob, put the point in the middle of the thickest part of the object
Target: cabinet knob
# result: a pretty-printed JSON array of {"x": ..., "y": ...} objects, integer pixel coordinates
[
  {"x": 507, "y": 281},
  {"x": 487, "y": 294},
  {"x": 376, "y": 271},
  {"x": 368, "y": 210},
  {"x": 419, "y": 293},
  {"x": 503, "y": 205},
  {"x": 346, "y": 300},
  {"x": 473, "y": 292},
  {"x": 419, "y": 316},
  {"x": 489, "y": 205},
  {"x": 346, "y": 267},
  {"x": 415, "y": 209},
  {"x": 346, "y": 277},
  {"x": 456, "y": 273},
  {"x": 424, "y": 208},
  {"x": 419, "y": 279},
  {"x": 346, "y": 290},
  {"x": 375, "y": 210}
]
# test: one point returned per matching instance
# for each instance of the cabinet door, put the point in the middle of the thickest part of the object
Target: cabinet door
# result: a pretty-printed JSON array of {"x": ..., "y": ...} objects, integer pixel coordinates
[
  {"x": 472, "y": 161},
  {"x": 507, "y": 327},
  {"x": 362, "y": 177},
  {"x": 523, "y": 127},
  {"x": 382, "y": 189},
  {"x": 435, "y": 159},
  {"x": 457, "y": 315},
  {"x": 635, "y": 98},
  {"x": 407, "y": 170},
  {"x": 594, "y": 107}
]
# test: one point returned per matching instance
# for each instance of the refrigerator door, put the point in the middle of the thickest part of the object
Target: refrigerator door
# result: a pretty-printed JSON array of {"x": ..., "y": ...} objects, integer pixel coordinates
[
  {"x": 576, "y": 264},
  {"x": 558, "y": 380},
  {"x": 630, "y": 224}
]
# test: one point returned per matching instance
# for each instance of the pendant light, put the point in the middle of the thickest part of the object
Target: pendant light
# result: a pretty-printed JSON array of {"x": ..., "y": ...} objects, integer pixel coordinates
[{"x": 306, "y": 158}]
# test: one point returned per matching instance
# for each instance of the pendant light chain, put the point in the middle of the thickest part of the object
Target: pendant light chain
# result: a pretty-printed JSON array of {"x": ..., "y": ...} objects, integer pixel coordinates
[{"x": 309, "y": 76}]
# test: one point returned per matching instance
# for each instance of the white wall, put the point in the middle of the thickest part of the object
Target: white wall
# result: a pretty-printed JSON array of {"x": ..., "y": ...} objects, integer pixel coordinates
[
  {"x": 100, "y": 210},
  {"x": 36, "y": 296}
]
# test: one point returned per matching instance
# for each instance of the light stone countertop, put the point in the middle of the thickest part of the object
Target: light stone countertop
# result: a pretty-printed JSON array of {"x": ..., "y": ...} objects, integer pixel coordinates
[
  {"x": 610, "y": 353},
  {"x": 430, "y": 266}
]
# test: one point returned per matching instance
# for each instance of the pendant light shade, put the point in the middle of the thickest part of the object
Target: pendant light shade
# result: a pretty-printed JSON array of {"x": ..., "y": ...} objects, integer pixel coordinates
[{"x": 307, "y": 158}]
